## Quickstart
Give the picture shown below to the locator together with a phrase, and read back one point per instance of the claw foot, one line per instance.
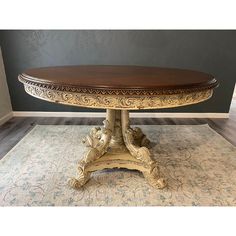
(80, 180)
(154, 179)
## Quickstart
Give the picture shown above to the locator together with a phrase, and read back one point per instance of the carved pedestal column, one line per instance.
(117, 145)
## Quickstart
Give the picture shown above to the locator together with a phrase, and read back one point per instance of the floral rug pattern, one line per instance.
(199, 164)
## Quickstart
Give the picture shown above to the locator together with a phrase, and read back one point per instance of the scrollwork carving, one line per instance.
(139, 152)
(97, 141)
(80, 180)
(129, 102)
(154, 179)
(131, 137)
(128, 146)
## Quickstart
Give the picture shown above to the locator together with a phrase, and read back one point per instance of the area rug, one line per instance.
(199, 164)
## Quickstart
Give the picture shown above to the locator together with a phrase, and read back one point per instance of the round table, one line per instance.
(118, 89)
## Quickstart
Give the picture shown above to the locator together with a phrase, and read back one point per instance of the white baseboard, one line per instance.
(132, 114)
(5, 118)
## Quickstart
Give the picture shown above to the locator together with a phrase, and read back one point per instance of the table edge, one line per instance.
(103, 100)
(23, 78)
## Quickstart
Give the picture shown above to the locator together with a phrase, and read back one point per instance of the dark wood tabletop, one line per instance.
(121, 77)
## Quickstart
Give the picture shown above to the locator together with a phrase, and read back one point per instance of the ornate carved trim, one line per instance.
(139, 152)
(128, 102)
(107, 91)
(135, 156)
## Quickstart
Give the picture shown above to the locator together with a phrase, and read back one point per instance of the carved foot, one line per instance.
(154, 179)
(97, 141)
(132, 153)
(82, 178)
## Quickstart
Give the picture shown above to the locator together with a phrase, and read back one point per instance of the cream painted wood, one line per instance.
(117, 145)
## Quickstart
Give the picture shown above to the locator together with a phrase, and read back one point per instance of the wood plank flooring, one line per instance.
(16, 128)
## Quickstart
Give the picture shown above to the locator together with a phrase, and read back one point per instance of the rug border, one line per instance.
(20, 141)
(222, 137)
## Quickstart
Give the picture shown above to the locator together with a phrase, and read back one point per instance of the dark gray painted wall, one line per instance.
(213, 52)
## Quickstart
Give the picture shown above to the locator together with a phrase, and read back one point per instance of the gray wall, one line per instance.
(5, 102)
(208, 51)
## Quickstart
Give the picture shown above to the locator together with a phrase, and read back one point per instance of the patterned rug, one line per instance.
(200, 166)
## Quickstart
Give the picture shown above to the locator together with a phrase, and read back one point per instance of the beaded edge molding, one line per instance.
(111, 101)
(107, 91)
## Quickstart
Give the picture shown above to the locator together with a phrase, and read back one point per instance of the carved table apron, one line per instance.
(116, 144)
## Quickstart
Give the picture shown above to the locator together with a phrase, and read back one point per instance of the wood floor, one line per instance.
(15, 129)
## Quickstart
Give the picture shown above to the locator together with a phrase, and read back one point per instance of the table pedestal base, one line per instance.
(117, 145)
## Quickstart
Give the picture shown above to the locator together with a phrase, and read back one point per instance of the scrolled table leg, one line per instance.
(136, 142)
(131, 136)
(97, 141)
(117, 145)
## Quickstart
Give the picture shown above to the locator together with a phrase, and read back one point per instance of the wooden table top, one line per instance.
(121, 78)
(118, 87)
